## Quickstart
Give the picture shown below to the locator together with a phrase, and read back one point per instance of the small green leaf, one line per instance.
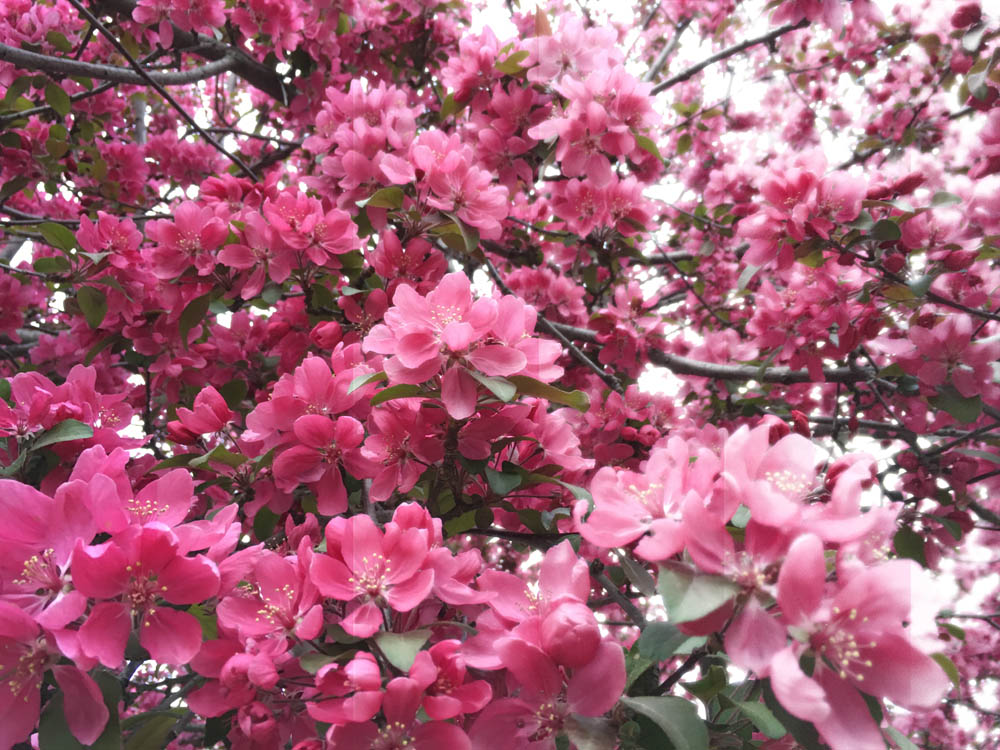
(648, 145)
(153, 731)
(762, 718)
(511, 65)
(684, 144)
(898, 292)
(501, 483)
(677, 718)
(58, 99)
(965, 409)
(401, 648)
(886, 230)
(900, 740)
(638, 575)
(403, 390)
(710, 685)
(313, 661)
(689, 596)
(470, 235)
(660, 640)
(343, 24)
(502, 388)
(945, 662)
(59, 41)
(531, 387)
(94, 304)
(234, 391)
(909, 544)
(943, 198)
(387, 197)
(68, 429)
(362, 380)
(58, 236)
(52, 264)
(264, 522)
(208, 621)
(192, 315)
(220, 455)
(746, 275)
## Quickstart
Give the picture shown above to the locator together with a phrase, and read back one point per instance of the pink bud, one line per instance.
(570, 634)
(967, 15)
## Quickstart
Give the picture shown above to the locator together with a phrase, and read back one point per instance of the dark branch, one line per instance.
(728, 52)
(66, 66)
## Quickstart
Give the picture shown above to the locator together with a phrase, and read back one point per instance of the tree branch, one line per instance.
(241, 64)
(145, 75)
(66, 66)
(728, 52)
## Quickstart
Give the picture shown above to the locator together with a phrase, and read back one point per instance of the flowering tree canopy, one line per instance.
(627, 379)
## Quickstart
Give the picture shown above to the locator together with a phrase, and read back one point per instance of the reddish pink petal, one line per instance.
(800, 695)
(364, 621)
(332, 578)
(104, 634)
(99, 571)
(903, 674)
(435, 735)
(495, 359)
(170, 636)
(189, 580)
(459, 392)
(597, 686)
(800, 582)
(532, 667)
(849, 725)
(406, 595)
(83, 704)
(414, 349)
(754, 638)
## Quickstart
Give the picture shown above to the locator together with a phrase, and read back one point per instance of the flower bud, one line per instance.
(570, 634)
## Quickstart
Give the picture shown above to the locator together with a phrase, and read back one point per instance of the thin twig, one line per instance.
(223, 64)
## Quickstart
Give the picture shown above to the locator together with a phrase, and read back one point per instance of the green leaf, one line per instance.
(362, 380)
(943, 198)
(234, 392)
(898, 292)
(208, 621)
(58, 236)
(501, 483)
(945, 662)
(94, 305)
(591, 732)
(886, 230)
(762, 718)
(660, 640)
(5, 389)
(908, 543)
(401, 648)
(803, 731)
(387, 197)
(52, 264)
(470, 235)
(638, 575)
(900, 740)
(746, 275)
(153, 731)
(531, 387)
(677, 718)
(403, 390)
(343, 24)
(68, 429)
(192, 315)
(511, 65)
(710, 685)
(684, 144)
(182, 459)
(264, 522)
(648, 145)
(313, 661)
(689, 596)
(220, 455)
(58, 99)
(963, 408)
(54, 734)
(502, 388)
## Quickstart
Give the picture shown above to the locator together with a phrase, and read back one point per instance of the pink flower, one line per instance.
(401, 729)
(440, 673)
(128, 576)
(25, 655)
(369, 569)
(348, 693)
